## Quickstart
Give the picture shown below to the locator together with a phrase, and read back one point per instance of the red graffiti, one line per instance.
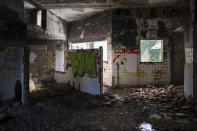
(117, 57)
(11, 58)
(67, 59)
(98, 60)
(124, 51)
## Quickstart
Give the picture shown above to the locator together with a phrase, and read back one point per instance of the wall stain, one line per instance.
(157, 75)
(137, 74)
(124, 32)
(7, 76)
(162, 30)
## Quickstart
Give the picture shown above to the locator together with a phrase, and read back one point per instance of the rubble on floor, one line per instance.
(132, 109)
(6, 107)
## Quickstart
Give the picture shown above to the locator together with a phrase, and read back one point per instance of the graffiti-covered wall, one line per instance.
(86, 68)
(83, 62)
(83, 71)
(129, 26)
(95, 28)
(11, 70)
(129, 71)
(12, 35)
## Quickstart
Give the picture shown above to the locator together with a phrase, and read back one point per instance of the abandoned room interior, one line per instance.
(98, 65)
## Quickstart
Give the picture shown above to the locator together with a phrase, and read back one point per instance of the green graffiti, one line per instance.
(9, 67)
(11, 51)
(83, 62)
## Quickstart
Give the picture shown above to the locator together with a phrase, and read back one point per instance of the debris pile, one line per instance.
(159, 102)
(161, 94)
(6, 108)
(142, 108)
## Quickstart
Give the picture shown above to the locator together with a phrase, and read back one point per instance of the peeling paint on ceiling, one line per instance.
(75, 14)
(72, 10)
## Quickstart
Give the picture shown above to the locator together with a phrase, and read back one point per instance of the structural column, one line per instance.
(190, 74)
(194, 20)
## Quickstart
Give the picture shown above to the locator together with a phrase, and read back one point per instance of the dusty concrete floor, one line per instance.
(58, 108)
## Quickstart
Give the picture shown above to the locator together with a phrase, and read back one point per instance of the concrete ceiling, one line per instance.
(71, 10)
(70, 14)
(28, 6)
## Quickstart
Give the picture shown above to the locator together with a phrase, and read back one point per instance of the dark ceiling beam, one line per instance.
(74, 4)
(36, 4)
(99, 6)
(55, 6)
(51, 4)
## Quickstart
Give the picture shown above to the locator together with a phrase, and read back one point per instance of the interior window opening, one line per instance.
(151, 50)
(39, 18)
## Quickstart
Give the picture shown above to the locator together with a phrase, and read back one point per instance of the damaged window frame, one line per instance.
(162, 52)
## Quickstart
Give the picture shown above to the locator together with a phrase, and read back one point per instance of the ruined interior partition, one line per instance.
(11, 73)
(86, 68)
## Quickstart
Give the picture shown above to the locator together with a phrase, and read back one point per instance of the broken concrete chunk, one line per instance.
(155, 116)
(179, 114)
(185, 107)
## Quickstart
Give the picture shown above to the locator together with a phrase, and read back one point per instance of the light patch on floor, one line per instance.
(146, 127)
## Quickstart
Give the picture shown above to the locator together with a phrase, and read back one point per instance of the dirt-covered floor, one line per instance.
(58, 108)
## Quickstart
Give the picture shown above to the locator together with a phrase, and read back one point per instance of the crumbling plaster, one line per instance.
(148, 23)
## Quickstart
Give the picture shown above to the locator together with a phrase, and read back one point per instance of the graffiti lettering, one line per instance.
(83, 62)
(9, 68)
(157, 75)
(137, 74)
(67, 59)
(7, 76)
(188, 65)
(98, 60)
(11, 55)
(11, 51)
(124, 51)
(125, 59)
(11, 58)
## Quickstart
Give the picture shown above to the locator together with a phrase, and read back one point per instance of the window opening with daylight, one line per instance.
(91, 45)
(151, 50)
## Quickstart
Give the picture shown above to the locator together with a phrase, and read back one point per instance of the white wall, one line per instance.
(189, 56)
(107, 66)
(56, 27)
(89, 85)
(59, 52)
